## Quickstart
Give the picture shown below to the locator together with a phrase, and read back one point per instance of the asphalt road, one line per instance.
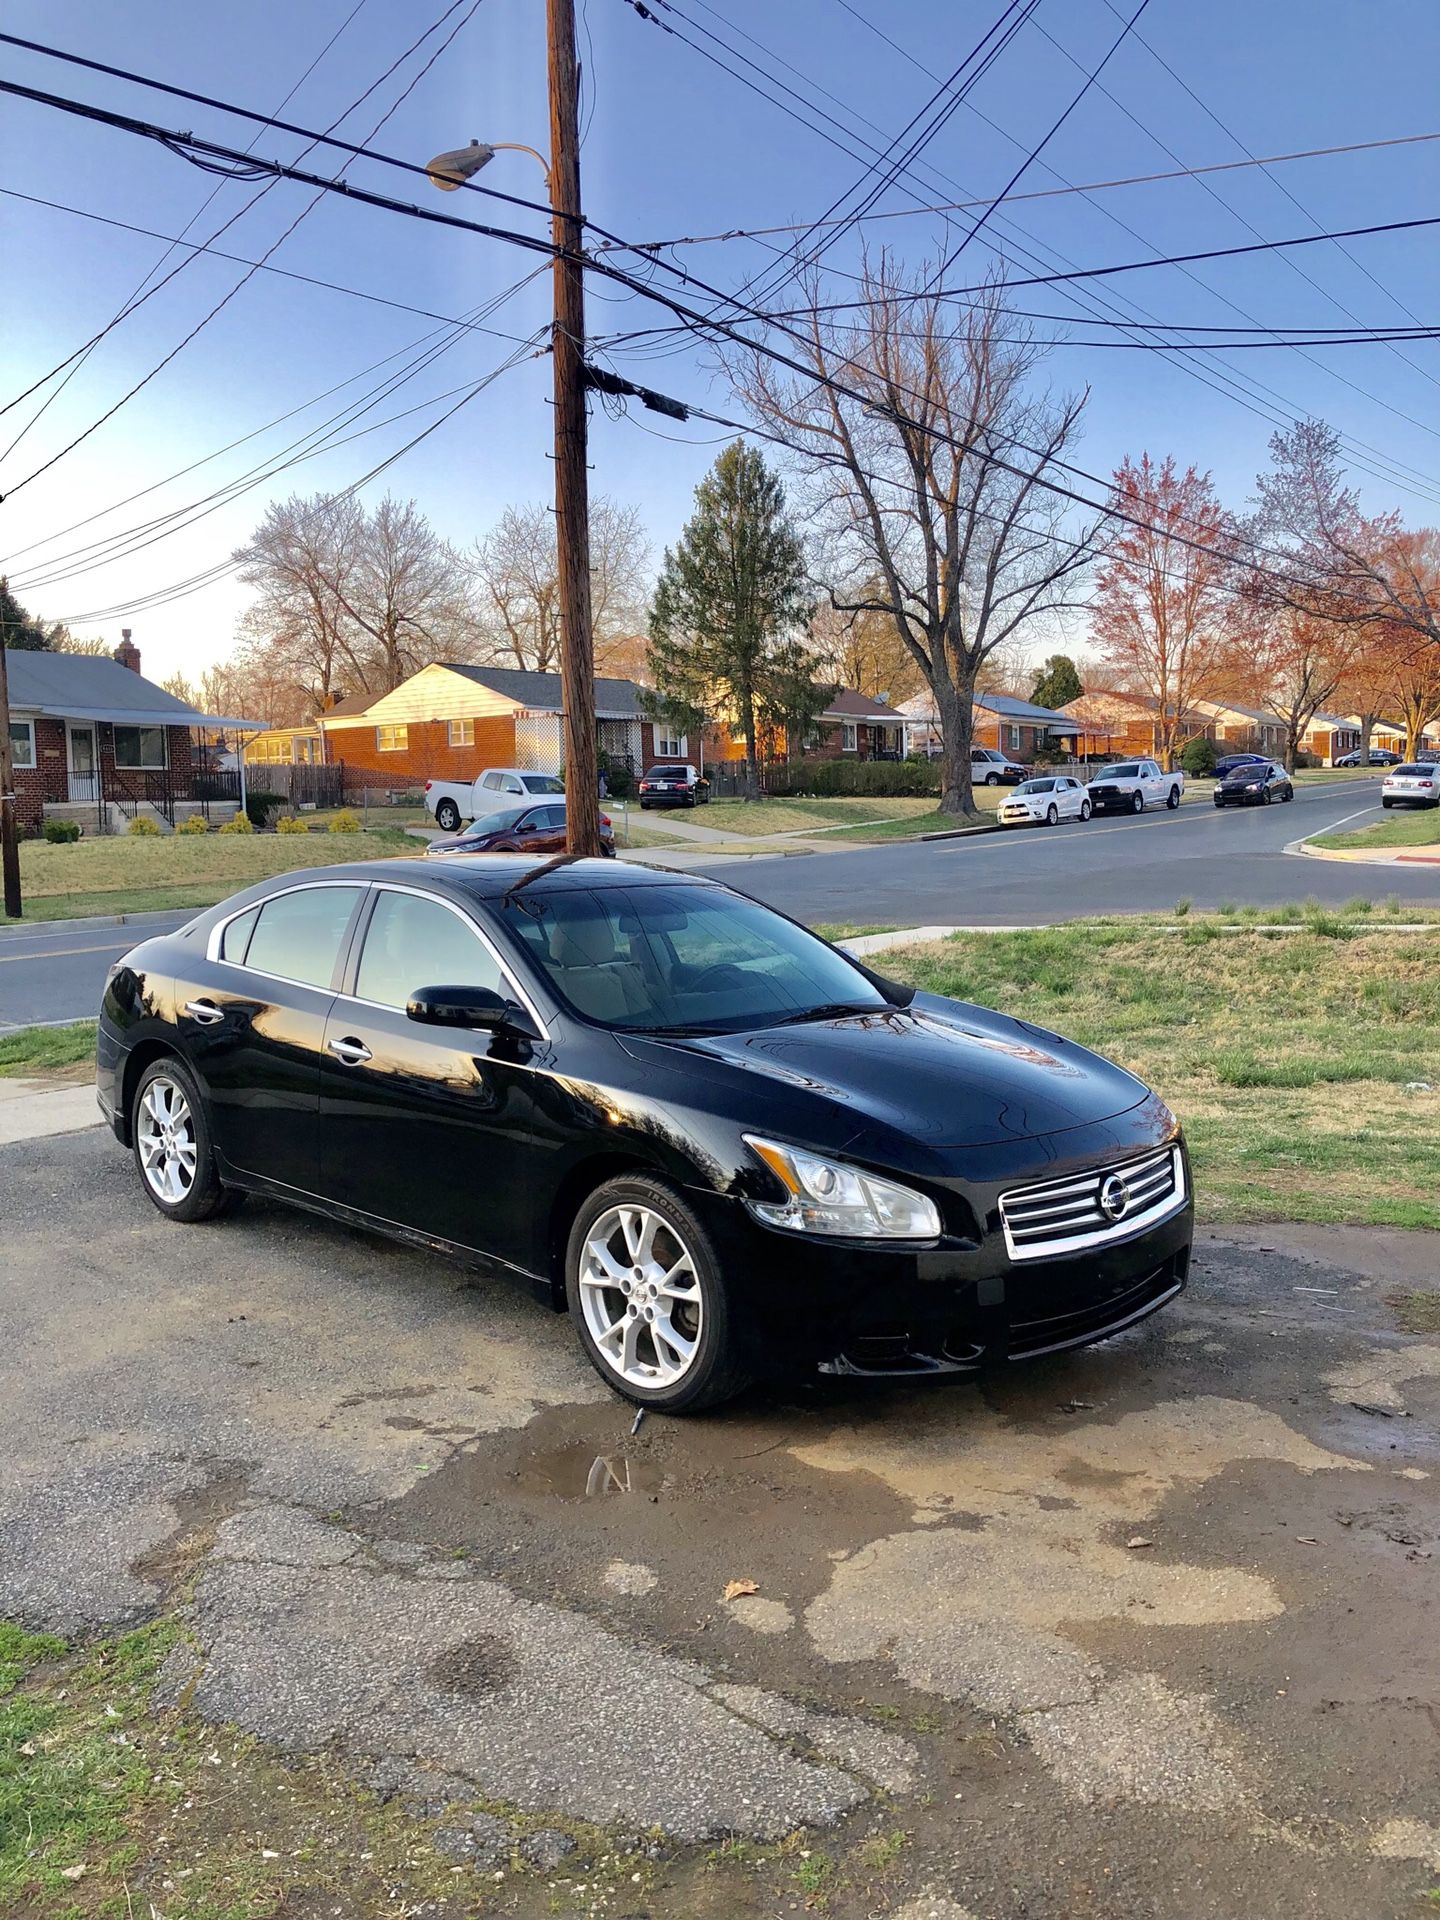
(1027, 877)
(1036, 875)
(1133, 1634)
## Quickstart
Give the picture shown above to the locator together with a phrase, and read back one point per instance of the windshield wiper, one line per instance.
(831, 1010)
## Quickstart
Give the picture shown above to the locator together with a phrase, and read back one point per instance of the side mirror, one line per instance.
(477, 1009)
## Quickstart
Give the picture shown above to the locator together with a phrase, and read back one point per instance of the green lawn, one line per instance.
(749, 817)
(1410, 827)
(930, 821)
(1290, 1057)
(41, 1051)
(118, 874)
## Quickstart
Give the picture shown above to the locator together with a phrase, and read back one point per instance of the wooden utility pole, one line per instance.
(9, 829)
(572, 502)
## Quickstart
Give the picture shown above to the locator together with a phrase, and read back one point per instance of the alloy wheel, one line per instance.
(640, 1295)
(165, 1131)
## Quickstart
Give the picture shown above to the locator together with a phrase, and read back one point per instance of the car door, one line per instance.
(1069, 792)
(542, 830)
(251, 1008)
(433, 1129)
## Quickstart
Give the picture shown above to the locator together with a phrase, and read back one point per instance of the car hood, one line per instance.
(943, 1073)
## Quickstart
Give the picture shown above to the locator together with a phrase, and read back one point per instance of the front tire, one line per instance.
(447, 816)
(1052, 815)
(1137, 802)
(649, 1299)
(174, 1153)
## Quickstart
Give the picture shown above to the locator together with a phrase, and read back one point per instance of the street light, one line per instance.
(567, 354)
(450, 170)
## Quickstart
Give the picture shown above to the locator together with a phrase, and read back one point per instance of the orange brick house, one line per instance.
(449, 721)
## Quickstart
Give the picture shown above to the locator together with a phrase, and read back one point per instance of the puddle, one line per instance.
(579, 1473)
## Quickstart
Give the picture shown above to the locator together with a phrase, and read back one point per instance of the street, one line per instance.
(1184, 1662)
(1021, 878)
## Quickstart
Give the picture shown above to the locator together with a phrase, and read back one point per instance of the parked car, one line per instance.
(519, 829)
(1379, 757)
(452, 801)
(673, 785)
(1254, 786)
(726, 1146)
(1045, 801)
(1415, 783)
(1132, 785)
(1233, 760)
(989, 768)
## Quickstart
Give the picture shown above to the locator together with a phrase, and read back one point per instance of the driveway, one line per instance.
(1148, 1631)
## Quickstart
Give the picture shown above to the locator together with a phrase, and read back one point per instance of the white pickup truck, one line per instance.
(1132, 785)
(451, 801)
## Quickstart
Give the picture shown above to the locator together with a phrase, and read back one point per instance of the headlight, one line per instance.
(827, 1196)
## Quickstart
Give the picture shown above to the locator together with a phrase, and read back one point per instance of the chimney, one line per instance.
(127, 653)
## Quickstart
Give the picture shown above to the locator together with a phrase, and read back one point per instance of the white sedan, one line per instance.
(1417, 783)
(1045, 802)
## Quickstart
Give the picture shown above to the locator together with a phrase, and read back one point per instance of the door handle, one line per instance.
(352, 1053)
(205, 1011)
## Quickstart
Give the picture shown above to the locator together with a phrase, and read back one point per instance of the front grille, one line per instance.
(1057, 1217)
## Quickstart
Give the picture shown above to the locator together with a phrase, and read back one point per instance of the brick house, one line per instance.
(1018, 728)
(1329, 736)
(1242, 729)
(852, 727)
(94, 741)
(450, 721)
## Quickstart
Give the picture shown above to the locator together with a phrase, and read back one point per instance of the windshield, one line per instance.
(681, 958)
(1129, 771)
(495, 822)
(1036, 786)
(542, 783)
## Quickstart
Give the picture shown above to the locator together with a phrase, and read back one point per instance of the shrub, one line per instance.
(141, 825)
(242, 823)
(1198, 757)
(197, 823)
(345, 822)
(260, 806)
(62, 833)
(291, 823)
(891, 778)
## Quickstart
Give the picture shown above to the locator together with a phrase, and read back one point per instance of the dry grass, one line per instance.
(115, 874)
(1305, 1065)
(749, 817)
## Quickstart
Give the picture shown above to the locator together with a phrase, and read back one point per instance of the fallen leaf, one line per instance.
(29, 1749)
(1139, 1540)
(739, 1589)
(73, 1873)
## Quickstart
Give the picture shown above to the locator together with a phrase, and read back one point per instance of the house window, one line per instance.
(22, 743)
(671, 746)
(461, 733)
(392, 739)
(849, 737)
(1012, 739)
(139, 747)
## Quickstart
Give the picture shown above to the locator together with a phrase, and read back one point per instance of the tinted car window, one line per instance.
(667, 773)
(413, 943)
(661, 957)
(1037, 786)
(1424, 772)
(236, 936)
(542, 783)
(498, 822)
(298, 935)
(546, 819)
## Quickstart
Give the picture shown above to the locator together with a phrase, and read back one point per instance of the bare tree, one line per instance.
(515, 573)
(865, 651)
(927, 447)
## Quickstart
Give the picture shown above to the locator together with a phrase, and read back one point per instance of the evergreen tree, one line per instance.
(726, 627)
(1057, 683)
(22, 633)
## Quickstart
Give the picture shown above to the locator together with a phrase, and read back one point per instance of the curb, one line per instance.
(91, 921)
(1358, 857)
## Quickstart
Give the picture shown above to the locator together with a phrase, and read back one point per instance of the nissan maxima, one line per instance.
(723, 1145)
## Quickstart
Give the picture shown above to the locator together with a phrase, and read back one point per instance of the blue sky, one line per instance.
(674, 147)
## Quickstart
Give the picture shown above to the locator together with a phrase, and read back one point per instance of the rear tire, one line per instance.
(1387, 804)
(174, 1151)
(676, 1350)
(992, 779)
(1172, 799)
(1084, 811)
(447, 816)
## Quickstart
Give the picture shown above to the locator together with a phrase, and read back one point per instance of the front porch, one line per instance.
(104, 774)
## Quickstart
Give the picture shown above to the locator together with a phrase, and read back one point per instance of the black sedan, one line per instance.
(723, 1144)
(1254, 786)
(534, 827)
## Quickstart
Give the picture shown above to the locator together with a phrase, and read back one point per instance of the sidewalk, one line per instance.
(34, 1110)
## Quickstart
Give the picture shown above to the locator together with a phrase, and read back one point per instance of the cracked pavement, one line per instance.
(1144, 1631)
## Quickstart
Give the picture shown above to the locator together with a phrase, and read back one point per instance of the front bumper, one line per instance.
(889, 1312)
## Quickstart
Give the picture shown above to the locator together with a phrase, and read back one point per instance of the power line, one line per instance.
(78, 362)
(325, 139)
(304, 214)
